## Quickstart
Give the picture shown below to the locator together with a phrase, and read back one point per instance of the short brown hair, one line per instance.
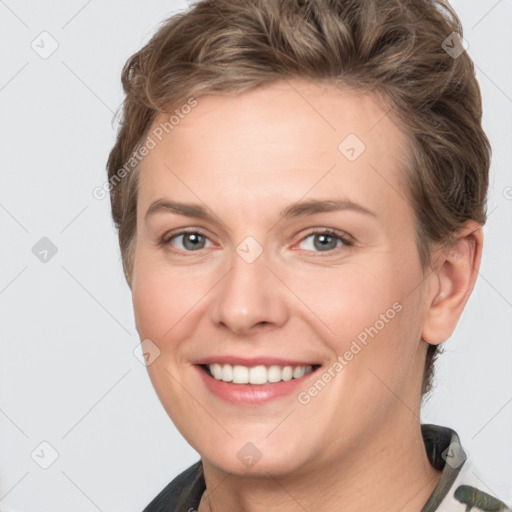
(398, 49)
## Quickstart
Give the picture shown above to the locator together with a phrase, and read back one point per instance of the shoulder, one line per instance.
(460, 489)
(469, 492)
(182, 493)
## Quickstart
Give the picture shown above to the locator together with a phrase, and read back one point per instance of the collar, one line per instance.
(459, 488)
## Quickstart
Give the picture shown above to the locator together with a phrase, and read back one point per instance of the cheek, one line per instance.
(162, 301)
(366, 314)
(164, 313)
(348, 299)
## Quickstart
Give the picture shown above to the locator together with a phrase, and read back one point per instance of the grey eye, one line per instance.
(192, 241)
(321, 242)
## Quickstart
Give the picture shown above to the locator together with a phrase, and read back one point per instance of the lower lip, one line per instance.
(251, 393)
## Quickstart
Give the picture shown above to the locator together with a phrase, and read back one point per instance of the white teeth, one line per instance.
(240, 375)
(216, 370)
(227, 373)
(274, 374)
(287, 373)
(298, 372)
(257, 374)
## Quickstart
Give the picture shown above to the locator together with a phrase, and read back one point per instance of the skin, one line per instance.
(358, 442)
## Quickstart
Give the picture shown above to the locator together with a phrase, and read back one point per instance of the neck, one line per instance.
(390, 469)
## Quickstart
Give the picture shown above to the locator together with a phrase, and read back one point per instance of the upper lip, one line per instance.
(253, 361)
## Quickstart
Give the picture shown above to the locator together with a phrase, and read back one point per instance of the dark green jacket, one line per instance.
(458, 490)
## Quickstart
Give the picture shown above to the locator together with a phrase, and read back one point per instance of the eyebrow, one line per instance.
(300, 209)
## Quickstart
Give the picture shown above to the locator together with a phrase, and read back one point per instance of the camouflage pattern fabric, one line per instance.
(459, 489)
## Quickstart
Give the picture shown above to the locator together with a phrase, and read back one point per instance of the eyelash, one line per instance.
(346, 240)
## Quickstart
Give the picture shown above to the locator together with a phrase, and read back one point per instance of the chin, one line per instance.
(256, 459)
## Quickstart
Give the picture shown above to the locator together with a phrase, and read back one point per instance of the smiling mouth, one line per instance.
(256, 375)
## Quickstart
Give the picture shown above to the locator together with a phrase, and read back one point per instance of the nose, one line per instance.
(249, 297)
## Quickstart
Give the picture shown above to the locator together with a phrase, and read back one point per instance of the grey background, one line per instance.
(68, 375)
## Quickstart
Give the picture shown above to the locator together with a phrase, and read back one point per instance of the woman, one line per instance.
(299, 189)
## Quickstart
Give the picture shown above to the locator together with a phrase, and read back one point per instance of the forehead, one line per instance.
(285, 138)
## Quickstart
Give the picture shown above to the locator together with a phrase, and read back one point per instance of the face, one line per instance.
(274, 231)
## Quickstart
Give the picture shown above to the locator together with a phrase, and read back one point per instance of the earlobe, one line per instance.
(453, 280)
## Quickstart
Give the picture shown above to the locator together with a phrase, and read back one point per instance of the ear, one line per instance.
(452, 279)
